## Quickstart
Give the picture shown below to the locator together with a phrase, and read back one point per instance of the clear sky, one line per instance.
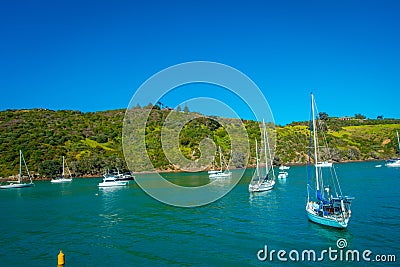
(93, 55)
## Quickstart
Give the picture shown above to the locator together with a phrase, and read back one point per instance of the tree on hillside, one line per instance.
(186, 109)
(148, 106)
(359, 116)
(323, 116)
(50, 168)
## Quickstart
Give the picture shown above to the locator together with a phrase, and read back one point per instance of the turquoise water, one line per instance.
(126, 227)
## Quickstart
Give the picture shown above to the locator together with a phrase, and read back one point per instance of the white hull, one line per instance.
(220, 175)
(17, 185)
(393, 163)
(61, 180)
(284, 168)
(324, 164)
(264, 186)
(333, 221)
(282, 175)
(112, 182)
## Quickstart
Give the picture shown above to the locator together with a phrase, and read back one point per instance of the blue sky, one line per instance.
(93, 55)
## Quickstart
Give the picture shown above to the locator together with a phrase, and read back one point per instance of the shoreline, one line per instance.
(100, 176)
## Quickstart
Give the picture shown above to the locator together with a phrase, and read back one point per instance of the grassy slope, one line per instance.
(91, 142)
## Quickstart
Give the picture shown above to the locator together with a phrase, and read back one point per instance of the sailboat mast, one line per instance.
(220, 157)
(315, 141)
(20, 166)
(63, 171)
(265, 151)
(258, 170)
(270, 156)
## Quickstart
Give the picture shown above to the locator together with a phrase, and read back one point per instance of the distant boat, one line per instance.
(259, 183)
(111, 181)
(220, 173)
(127, 176)
(395, 162)
(19, 184)
(283, 167)
(328, 208)
(282, 174)
(62, 179)
(324, 164)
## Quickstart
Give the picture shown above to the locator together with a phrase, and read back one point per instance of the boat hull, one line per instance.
(113, 184)
(264, 186)
(324, 164)
(282, 175)
(327, 221)
(9, 186)
(393, 163)
(58, 181)
(220, 175)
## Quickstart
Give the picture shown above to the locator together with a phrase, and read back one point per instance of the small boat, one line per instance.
(283, 175)
(19, 184)
(324, 164)
(395, 162)
(62, 179)
(330, 207)
(112, 182)
(220, 173)
(283, 167)
(378, 166)
(259, 183)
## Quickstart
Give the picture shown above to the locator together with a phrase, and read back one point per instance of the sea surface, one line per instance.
(126, 227)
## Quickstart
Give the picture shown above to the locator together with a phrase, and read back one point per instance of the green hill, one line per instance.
(92, 142)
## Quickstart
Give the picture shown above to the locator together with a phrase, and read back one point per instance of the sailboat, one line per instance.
(328, 208)
(396, 161)
(259, 183)
(220, 173)
(19, 184)
(62, 179)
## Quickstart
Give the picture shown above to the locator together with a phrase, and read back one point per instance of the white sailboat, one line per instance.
(220, 173)
(259, 183)
(328, 208)
(396, 161)
(19, 184)
(62, 179)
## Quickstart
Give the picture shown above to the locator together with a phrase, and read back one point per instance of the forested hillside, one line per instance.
(92, 142)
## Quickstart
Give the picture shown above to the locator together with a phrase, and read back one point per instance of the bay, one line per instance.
(126, 227)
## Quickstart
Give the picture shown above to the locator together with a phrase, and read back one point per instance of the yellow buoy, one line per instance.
(61, 258)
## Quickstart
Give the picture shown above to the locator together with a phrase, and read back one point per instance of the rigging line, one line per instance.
(320, 122)
(337, 180)
(332, 170)
(29, 175)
